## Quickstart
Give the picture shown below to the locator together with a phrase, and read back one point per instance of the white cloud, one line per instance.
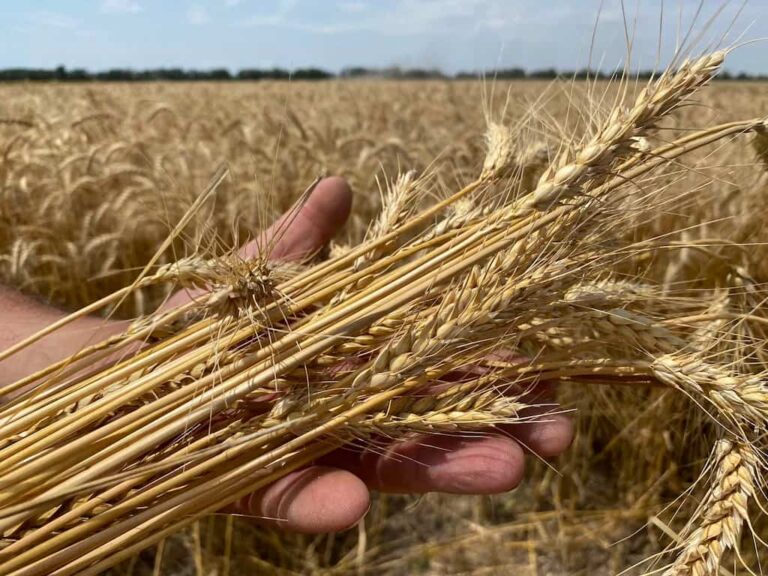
(53, 20)
(262, 21)
(352, 6)
(405, 17)
(121, 7)
(197, 15)
(279, 17)
(452, 16)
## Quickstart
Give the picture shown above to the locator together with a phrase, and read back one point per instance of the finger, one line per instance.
(548, 436)
(457, 465)
(313, 500)
(297, 234)
(302, 231)
(544, 433)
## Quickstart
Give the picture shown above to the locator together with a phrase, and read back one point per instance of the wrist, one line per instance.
(22, 316)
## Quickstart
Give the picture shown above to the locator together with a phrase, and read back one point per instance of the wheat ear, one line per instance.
(723, 511)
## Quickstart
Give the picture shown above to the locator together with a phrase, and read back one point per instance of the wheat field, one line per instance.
(659, 292)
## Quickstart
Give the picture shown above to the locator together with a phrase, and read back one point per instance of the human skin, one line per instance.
(334, 493)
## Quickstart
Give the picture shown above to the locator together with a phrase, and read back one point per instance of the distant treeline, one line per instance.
(62, 74)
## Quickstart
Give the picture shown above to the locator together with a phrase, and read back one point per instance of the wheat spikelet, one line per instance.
(760, 144)
(723, 512)
(563, 178)
(459, 418)
(739, 398)
(500, 152)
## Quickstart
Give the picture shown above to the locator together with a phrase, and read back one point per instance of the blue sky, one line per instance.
(448, 34)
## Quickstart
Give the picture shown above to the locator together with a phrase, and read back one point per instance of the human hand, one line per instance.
(333, 494)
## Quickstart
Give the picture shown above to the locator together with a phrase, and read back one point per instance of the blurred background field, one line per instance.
(94, 174)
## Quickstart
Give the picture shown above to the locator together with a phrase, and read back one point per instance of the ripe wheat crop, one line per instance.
(611, 235)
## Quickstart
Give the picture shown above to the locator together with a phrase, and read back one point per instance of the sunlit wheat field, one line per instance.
(643, 304)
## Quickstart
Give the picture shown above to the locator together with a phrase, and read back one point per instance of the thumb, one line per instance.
(306, 228)
(298, 233)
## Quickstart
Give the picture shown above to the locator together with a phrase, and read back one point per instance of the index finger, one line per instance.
(302, 231)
